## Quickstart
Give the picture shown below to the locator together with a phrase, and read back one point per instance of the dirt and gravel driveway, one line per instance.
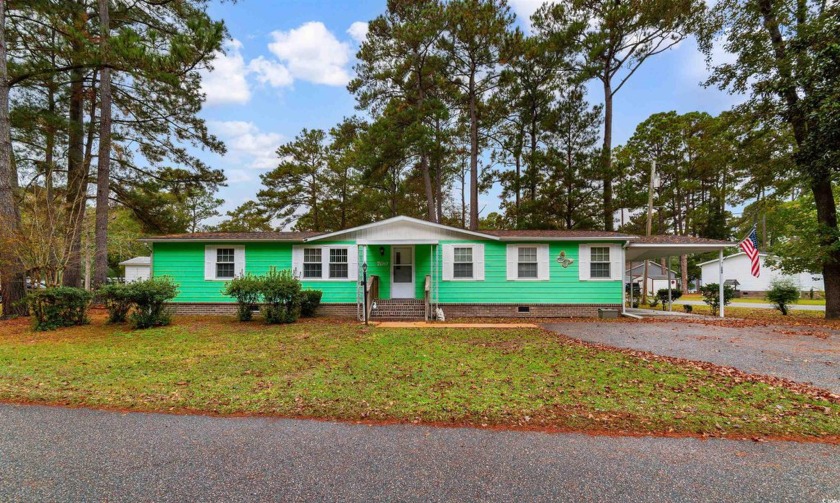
(55, 454)
(803, 354)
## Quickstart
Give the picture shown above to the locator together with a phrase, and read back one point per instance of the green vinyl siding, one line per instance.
(379, 264)
(184, 263)
(563, 287)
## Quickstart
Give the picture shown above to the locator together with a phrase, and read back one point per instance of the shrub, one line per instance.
(118, 301)
(783, 292)
(149, 299)
(711, 296)
(247, 291)
(309, 302)
(662, 295)
(688, 308)
(281, 297)
(52, 308)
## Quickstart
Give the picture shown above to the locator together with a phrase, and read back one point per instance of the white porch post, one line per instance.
(720, 281)
(670, 300)
(623, 280)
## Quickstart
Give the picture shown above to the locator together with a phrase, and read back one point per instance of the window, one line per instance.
(338, 263)
(527, 266)
(599, 265)
(312, 267)
(225, 268)
(463, 263)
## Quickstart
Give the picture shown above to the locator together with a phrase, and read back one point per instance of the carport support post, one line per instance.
(670, 304)
(720, 283)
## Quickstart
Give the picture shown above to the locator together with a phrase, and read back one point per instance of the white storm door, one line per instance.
(402, 272)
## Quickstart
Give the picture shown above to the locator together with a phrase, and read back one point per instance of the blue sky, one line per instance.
(288, 62)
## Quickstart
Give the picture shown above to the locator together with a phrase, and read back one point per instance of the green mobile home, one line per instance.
(415, 268)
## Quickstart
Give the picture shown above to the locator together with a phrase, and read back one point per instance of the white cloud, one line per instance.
(247, 144)
(271, 72)
(358, 31)
(694, 64)
(226, 83)
(312, 53)
(524, 8)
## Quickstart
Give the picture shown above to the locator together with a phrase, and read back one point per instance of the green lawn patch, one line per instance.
(494, 377)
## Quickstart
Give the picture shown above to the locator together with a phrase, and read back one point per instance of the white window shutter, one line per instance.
(512, 261)
(239, 261)
(616, 262)
(353, 262)
(297, 261)
(448, 261)
(209, 262)
(478, 262)
(584, 258)
(543, 272)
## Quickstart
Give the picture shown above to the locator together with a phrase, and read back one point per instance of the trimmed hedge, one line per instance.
(310, 300)
(117, 300)
(53, 308)
(662, 294)
(281, 294)
(145, 300)
(711, 296)
(247, 291)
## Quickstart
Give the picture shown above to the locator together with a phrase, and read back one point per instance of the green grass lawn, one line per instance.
(757, 300)
(502, 377)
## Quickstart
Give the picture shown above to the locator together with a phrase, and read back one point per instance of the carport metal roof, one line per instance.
(653, 247)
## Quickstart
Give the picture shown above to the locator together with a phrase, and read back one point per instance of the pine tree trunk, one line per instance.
(103, 171)
(76, 181)
(12, 273)
(607, 157)
(473, 154)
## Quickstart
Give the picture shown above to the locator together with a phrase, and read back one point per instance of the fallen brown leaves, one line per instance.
(732, 373)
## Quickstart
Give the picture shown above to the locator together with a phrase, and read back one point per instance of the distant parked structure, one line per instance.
(137, 268)
(736, 270)
(657, 276)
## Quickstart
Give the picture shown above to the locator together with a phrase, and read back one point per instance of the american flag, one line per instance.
(750, 247)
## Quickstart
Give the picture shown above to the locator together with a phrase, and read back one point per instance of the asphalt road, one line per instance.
(802, 354)
(55, 454)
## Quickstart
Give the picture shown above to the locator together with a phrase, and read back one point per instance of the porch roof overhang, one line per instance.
(641, 250)
(406, 242)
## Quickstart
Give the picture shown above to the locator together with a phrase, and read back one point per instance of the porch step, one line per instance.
(404, 309)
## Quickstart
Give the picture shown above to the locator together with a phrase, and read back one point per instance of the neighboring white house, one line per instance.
(137, 268)
(737, 267)
(657, 276)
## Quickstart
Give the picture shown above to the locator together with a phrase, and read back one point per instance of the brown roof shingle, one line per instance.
(236, 236)
(557, 234)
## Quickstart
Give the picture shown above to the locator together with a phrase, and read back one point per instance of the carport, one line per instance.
(655, 247)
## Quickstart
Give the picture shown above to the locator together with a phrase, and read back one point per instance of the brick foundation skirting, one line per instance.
(229, 309)
(450, 310)
(534, 310)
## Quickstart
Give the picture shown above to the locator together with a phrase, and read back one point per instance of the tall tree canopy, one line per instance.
(787, 62)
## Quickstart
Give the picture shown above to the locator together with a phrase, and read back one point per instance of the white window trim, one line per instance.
(585, 261)
(543, 262)
(448, 259)
(210, 257)
(352, 262)
(472, 262)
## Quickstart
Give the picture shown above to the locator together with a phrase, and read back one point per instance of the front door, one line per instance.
(402, 272)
